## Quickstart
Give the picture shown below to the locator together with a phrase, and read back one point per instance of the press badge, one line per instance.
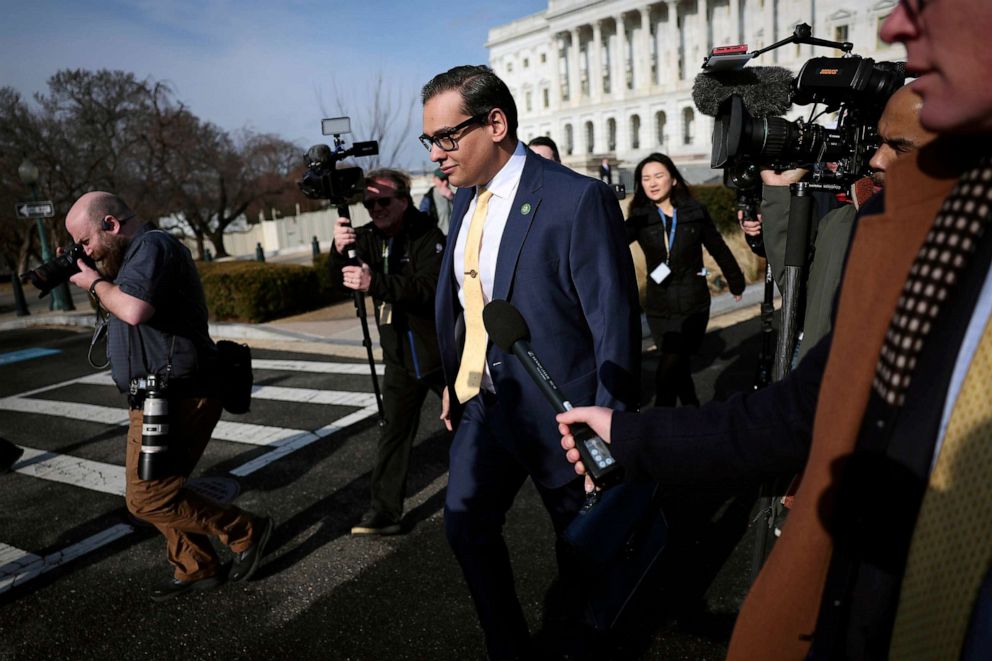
(385, 314)
(660, 273)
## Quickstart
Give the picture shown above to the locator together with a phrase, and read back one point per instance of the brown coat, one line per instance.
(780, 612)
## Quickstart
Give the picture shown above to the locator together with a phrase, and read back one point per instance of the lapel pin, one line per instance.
(525, 208)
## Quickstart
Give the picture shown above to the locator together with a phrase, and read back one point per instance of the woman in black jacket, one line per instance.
(672, 228)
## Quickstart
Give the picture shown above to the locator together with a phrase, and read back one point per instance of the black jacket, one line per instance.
(409, 286)
(684, 291)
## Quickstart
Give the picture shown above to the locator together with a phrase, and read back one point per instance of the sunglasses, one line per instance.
(381, 202)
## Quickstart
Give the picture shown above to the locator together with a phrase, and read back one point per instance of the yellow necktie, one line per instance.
(469, 378)
(951, 551)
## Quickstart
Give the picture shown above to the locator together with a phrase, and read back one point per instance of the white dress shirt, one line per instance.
(504, 188)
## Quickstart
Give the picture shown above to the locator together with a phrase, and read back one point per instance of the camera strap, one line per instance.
(99, 333)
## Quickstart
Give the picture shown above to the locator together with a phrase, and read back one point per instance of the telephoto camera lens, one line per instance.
(154, 461)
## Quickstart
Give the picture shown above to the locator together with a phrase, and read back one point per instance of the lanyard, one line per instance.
(669, 236)
(387, 247)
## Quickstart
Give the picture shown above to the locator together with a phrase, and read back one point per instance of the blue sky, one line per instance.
(268, 66)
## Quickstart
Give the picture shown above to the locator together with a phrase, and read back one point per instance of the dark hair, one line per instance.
(400, 180)
(680, 187)
(545, 141)
(481, 91)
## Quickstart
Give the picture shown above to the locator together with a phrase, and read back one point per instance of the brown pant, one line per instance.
(184, 517)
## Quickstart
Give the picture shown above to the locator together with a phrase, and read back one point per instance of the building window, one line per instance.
(526, 62)
(509, 67)
(545, 97)
(569, 140)
(840, 33)
(590, 138)
(528, 102)
(611, 134)
(660, 120)
(635, 131)
(688, 126)
(544, 58)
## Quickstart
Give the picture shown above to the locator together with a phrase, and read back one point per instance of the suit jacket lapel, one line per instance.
(523, 211)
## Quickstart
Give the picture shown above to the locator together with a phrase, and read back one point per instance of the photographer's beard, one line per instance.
(109, 264)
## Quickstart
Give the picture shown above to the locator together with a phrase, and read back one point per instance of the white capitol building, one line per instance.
(613, 78)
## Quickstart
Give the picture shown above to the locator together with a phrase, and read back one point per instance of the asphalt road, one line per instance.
(75, 569)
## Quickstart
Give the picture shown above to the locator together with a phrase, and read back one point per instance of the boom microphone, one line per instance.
(766, 91)
(508, 330)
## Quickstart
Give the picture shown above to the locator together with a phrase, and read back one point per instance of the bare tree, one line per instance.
(215, 178)
(108, 130)
(384, 113)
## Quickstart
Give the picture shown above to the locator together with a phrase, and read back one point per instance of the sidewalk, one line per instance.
(333, 330)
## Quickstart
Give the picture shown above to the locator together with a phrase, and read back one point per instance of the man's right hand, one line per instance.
(750, 227)
(446, 409)
(344, 235)
(771, 177)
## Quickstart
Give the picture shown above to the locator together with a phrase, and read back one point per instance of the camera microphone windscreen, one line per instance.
(505, 325)
(765, 91)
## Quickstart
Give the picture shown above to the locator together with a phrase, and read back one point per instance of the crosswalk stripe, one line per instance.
(312, 396)
(292, 445)
(279, 393)
(243, 432)
(89, 412)
(27, 566)
(67, 469)
(237, 432)
(316, 366)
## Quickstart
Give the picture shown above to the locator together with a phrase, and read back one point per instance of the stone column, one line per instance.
(672, 43)
(736, 37)
(558, 56)
(642, 64)
(595, 62)
(619, 83)
(694, 64)
(574, 81)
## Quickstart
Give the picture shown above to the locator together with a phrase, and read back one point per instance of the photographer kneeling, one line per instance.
(148, 283)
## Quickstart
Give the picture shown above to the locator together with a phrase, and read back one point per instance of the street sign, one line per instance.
(30, 210)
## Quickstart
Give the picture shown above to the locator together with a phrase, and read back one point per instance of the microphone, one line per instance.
(508, 330)
(765, 91)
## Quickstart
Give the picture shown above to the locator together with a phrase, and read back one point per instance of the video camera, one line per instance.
(323, 180)
(746, 102)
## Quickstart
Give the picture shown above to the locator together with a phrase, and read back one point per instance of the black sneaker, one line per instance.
(377, 523)
(175, 587)
(246, 562)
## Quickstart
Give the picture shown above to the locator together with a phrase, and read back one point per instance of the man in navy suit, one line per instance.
(551, 242)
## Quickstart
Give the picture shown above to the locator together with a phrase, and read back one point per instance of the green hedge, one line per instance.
(257, 291)
(722, 205)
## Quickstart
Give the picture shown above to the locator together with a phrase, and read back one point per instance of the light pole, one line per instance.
(28, 172)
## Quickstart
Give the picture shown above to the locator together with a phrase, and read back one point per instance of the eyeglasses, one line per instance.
(446, 140)
(381, 202)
